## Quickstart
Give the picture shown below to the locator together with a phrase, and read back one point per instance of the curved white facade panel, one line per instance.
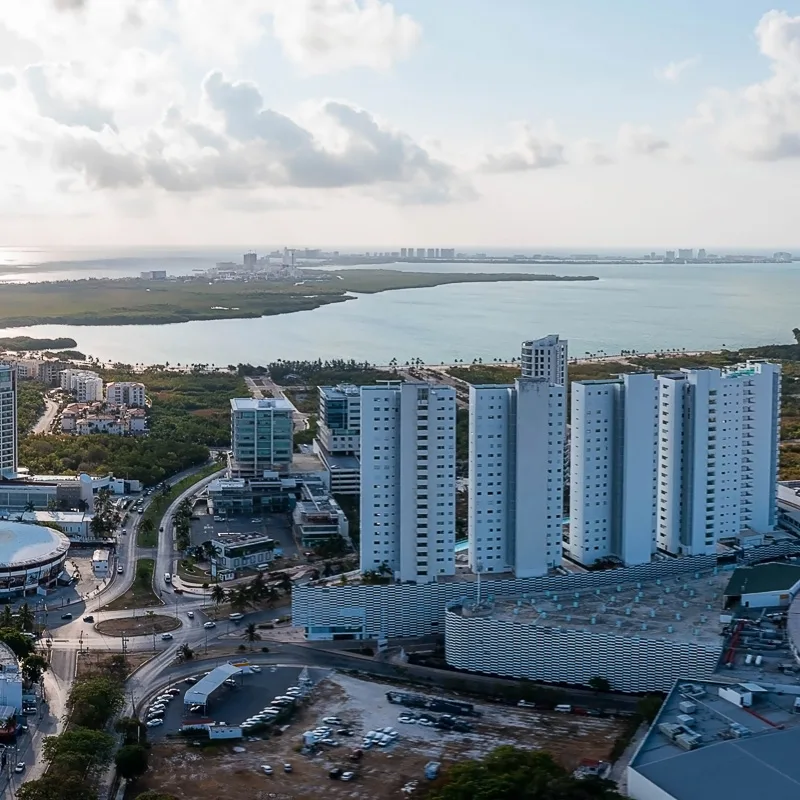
(30, 555)
(630, 664)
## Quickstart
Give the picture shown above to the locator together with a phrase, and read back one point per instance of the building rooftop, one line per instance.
(264, 403)
(721, 749)
(771, 577)
(22, 544)
(8, 661)
(685, 608)
(231, 539)
(55, 516)
(789, 493)
(342, 390)
(336, 462)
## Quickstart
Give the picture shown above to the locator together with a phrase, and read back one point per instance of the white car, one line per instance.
(331, 720)
(190, 614)
(120, 570)
(210, 624)
(347, 776)
(167, 636)
(154, 723)
(266, 769)
(20, 766)
(253, 667)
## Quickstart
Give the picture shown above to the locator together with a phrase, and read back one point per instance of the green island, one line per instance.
(133, 301)
(24, 344)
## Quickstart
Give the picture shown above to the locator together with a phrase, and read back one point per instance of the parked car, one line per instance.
(88, 618)
(254, 667)
(210, 624)
(287, 767)
(167, 636)
(347, 776)
(154, 723)
(230, 682)
(196, 709)
(66, 616)
(190, 679)
(19, 766)
(266, 769)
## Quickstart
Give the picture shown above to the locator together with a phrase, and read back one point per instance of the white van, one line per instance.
(563, 708)
(235, 617)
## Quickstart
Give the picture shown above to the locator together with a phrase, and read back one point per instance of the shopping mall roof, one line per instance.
(22, 543)
(738, 753)
(774, 576)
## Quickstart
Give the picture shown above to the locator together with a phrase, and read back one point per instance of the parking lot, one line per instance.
(327, 739)
(278, 526)
(231, 704)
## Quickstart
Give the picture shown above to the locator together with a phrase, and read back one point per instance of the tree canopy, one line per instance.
(510, 773)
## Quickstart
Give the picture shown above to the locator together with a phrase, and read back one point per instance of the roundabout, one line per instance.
(144, 625)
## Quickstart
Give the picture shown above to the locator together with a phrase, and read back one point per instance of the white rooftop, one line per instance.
(262, 404)
(22, 543)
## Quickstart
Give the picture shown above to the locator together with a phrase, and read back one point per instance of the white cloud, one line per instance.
(673, 71)
(590, 152)
(253, 146)
(762, 121)
(328, 35)
(640, 140)
(531, 149)
(7, 81)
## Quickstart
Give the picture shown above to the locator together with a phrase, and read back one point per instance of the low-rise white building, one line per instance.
(100, 563)
(85, 386)
(10, 679)
(240, 550)
(75, 524)
(125, 393)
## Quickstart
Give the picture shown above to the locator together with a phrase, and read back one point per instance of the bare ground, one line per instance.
(195, 774)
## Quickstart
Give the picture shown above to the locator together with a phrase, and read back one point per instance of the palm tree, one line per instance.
(238, 599)
(256, 586)
(26, 617)
(251, 634)
(218, 595)
(7, 620)
(147, 526)
(285, 583)
(30, 507)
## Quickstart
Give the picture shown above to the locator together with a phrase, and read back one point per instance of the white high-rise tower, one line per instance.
(516, 482)
(8, 421)
(545, 358)
(408, 458)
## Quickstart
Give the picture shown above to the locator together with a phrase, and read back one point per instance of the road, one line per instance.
(45, 422)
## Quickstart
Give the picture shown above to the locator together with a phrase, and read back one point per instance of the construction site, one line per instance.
(381, 771)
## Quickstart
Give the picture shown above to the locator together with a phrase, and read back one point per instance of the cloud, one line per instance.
(675, 69)
(260, 147)
(7, 81)
(640, 140)
(329, 35)
(43, 82)
(531, 150)
(70, 5)
(590, 152)
(761, 122)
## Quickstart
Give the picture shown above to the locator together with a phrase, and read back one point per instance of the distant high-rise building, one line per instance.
(448, 252)
(408, 457)
(288, 257)
(125, 393)
(403, 252)
(85, 386)
(250, 260)
(613, 446)
(718, 455)
(686, 253)
(545, 358)
(516, 482)
(701, 253)
(783, 257)
(431, 252)
(8, 421)
(670, 256)
(437, 252)
(420, 252)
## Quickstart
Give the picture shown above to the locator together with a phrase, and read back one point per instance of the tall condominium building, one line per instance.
(545, 358)
(85, 386)
(8, 421)
(717, 455)
(125, 393)
(408, 457)
(340, 418)
(261, 436)
(516, 481)
(612, 502)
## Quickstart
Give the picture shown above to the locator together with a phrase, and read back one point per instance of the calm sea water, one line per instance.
(642, 307)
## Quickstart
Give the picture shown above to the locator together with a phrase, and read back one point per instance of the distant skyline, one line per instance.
(521, 124)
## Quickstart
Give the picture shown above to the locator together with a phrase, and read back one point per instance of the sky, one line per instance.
(392, 123)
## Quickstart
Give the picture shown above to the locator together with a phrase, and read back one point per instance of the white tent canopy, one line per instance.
(199, 693)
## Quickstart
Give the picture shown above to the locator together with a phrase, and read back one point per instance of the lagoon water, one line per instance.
(642, 307)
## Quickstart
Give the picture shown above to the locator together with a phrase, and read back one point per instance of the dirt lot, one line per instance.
(92, 664)
(193, 774)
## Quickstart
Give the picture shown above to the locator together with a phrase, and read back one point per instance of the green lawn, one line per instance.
(156, 510)
(141, 594)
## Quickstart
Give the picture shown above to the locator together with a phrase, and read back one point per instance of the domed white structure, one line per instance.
(30, 556)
